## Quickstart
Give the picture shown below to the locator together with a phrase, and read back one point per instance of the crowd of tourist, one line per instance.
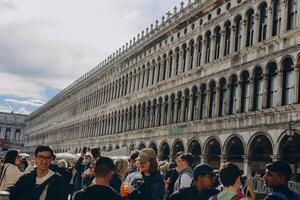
(141, 177)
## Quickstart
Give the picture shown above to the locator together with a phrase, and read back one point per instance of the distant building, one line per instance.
(11, 130)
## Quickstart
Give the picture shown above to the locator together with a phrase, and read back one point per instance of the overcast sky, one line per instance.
(46, 44)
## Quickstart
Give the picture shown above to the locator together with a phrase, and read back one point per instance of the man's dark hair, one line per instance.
(229, 172)
(134, 155)
(179, 153)
(95, 151)
(43, 148)
(104, 165)
(188, 158)
(281, 168)
(11, 156)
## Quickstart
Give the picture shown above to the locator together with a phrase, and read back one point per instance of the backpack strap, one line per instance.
(40, 188)
(279, 195)
(236, 197)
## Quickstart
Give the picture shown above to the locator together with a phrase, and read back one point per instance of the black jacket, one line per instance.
(192, 193)
(97, 192)
(26, 189)
(284, 190)
(116, 183)
(148, 188)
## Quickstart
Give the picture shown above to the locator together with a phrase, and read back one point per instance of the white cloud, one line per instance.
(31, 102)
(48, 44)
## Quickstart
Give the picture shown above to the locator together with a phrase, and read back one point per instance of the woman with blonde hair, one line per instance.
(121, 169)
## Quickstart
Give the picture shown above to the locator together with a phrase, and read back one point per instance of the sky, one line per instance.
(45, 45)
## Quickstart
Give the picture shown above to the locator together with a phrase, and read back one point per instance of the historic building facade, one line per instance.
(218, 79)
(11, 130)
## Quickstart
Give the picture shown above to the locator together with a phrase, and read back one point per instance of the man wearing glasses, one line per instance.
(201, 187)
(41, 183)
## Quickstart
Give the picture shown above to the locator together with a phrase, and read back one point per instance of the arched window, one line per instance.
(238, 33)
(153, 72)
(191, 49)
(233, 95)
(272, 85)
(164, 67)
(194, 102)
(263, 10)
(258, 89)
(245, 92)
(159, 110)
(153, 114)
(172, 109)
(208, 44)
(166, 110)
(227, 37)
(250, 27)
(217, 42)
(177, 53)
(184, 51)
(223, 97)
(288, 84)
(199, 53)
(179, 107)
(292, 14)
(170, 64)
(212, 102)
(203, 101)
(158, 69)
(276, 17)
(186, 106)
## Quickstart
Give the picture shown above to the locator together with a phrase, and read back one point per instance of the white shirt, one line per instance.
(11, 176)
(40, 181)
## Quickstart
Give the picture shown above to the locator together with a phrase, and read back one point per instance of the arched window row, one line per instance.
(261, 88)
(242, 31)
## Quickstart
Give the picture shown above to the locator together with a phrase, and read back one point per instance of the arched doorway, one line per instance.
(260, 153)
(142, 146)
(289, 152)
(194, 148)
(234, 151)
(213, 153)
(177, 147)
(164, 151)
(153, 146)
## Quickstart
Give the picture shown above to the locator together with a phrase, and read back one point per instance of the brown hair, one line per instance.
(153, 166)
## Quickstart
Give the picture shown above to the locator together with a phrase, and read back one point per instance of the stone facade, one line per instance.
(11, 130)
(219, 79)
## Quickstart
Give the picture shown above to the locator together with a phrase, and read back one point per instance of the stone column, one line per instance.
(146, 77)
(222, 44)
(280, 82)
(265, 91)
(232, 39)
(251, 94)
(188, 59)
(256, 28)
(142, 77)
(163, 114)
(212, 48)
(270, 22)
(133, 85)
(244, 35)
(296, 81)
(239, 97)
(284, 14)
(167, 68)
(203, 52)
(174, 64)
(181, 60)
(155, 69)
(169, 111)
(196, 46)
(197, 110)
(245, 167)
(129, 84)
